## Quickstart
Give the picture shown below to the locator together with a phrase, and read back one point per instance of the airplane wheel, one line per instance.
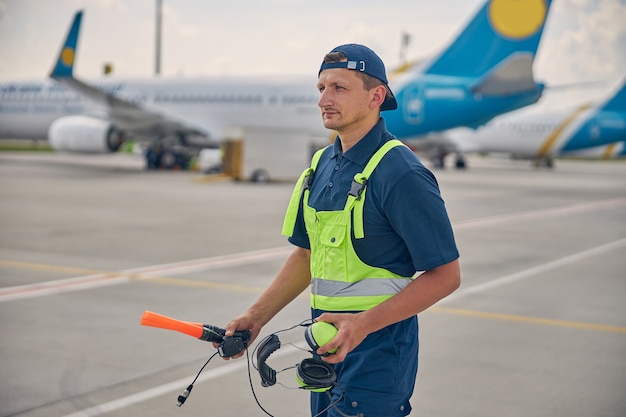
(168, 160)
(460, 163)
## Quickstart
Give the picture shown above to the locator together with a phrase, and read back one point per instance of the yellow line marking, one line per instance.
(201, 284)
(134, 277)
(205, 284)
(258, 290)
(544, 150)
(68, 269)
(53, 268)
(530, 320)
(212, 178)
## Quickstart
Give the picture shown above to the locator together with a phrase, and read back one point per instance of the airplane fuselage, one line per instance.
(434, 103)
(539, 133)
(427, 104)
(28, 108)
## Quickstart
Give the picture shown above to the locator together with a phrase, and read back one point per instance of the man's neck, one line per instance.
(350, 138)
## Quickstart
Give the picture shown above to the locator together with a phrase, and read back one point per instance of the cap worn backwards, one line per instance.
(361, 58)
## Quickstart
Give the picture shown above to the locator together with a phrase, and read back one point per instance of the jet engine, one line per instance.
(84, 134)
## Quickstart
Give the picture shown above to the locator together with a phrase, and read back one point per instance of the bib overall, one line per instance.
(341, 282)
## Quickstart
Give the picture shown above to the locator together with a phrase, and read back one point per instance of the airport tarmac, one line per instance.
(87, 243)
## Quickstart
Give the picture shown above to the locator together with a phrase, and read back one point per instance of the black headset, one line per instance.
(311, 374)
(315, 375)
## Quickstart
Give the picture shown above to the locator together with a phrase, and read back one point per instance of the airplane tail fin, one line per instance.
(617, 102)
(64, 66)
(500, 41)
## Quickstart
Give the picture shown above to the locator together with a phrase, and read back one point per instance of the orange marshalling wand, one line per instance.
(152, 319)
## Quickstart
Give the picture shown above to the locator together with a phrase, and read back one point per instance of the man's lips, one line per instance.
(328, 112)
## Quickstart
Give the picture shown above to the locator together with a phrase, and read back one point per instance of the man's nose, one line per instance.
(325, 99)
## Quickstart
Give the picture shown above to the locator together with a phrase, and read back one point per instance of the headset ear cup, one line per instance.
(308, 336)
(320, 333)
(315, 375)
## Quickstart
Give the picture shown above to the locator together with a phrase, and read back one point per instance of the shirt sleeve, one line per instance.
(418, 214)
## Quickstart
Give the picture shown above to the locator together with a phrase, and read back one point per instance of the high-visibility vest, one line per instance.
(340, 281)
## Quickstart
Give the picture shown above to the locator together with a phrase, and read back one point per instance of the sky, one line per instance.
(584, 40)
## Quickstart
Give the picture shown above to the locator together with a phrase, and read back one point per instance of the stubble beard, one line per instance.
(334, 122)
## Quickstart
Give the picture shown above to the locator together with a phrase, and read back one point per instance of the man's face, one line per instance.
(344, 101)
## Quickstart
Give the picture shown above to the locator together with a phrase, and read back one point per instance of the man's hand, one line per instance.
(241, 323)
(351, 331)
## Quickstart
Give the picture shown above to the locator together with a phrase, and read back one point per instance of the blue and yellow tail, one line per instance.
(500, 29)
(605, 125)
(64, 67)
(618, 101)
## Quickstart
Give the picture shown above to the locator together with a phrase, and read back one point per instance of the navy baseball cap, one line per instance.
(361, 58)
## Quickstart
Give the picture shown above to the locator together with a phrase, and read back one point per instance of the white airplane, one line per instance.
(541, 134)
(461, 86)
(614, 150)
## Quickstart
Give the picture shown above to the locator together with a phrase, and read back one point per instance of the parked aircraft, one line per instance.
(486, 71)
(541, 134)
(611, 151)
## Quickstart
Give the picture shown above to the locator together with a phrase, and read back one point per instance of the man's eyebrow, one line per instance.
(331, 83)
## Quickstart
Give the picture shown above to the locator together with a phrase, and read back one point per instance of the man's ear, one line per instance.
(378, 96)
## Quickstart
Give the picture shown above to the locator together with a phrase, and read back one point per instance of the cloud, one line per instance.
(117, 6)
(590, 44)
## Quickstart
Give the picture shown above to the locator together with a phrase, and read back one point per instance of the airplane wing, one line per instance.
(125, 114)
(512, 76)
(129, 115)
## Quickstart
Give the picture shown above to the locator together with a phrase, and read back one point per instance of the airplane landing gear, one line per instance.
(170, 152)
(459, 162)
(159, 156)
(546, 161)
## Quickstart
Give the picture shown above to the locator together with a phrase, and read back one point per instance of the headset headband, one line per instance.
(265, 349)
(311, 374)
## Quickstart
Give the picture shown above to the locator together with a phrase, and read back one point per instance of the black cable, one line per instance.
(333, 404)
(203, 366)
(252, 387)
(183, 397)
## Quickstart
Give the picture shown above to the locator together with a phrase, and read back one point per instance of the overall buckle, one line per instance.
(357, 188)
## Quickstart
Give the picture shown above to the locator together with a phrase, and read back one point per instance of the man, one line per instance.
(360, 243)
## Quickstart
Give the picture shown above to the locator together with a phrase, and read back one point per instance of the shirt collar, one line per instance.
(365, 148)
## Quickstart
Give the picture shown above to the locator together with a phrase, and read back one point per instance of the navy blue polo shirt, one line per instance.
(406, 225)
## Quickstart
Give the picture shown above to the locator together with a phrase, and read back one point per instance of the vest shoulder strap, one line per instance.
(376, 158)
(316, 157)
(356, 196)
(303, 183)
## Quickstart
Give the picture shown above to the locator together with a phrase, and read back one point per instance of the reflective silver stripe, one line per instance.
(364, 287)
